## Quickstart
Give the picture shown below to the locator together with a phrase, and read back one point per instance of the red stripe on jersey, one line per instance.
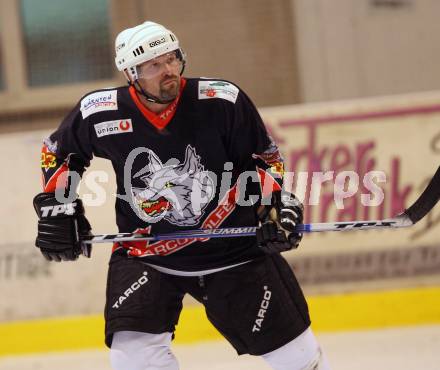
(50, 167)
(58, 178)
(225, 207)
(268, 183)
(165, 247)
(158, 120)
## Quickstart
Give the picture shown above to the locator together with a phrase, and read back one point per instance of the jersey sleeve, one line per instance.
(252, 148)
(66, 150)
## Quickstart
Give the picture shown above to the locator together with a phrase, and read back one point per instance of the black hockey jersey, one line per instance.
(183, 169)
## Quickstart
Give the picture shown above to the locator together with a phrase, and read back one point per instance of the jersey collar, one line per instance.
(158, 120)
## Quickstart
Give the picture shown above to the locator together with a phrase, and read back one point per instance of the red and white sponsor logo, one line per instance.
(218, 89)
(98, 102)
(113, 127)
(210, 92)
(165, 247)
(125, 125)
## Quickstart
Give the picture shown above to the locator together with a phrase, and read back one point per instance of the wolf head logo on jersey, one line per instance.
(176, 192)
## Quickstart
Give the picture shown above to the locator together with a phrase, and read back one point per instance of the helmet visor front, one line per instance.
(169, 62)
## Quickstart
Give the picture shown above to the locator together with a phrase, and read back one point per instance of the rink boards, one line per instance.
(330, 313)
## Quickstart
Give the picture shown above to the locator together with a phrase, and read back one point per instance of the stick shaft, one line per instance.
(426, 201)
(249, 231)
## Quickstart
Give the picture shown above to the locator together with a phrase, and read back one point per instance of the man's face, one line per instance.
(161, 76)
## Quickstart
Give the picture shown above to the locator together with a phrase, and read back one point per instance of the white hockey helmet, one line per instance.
(139, 44)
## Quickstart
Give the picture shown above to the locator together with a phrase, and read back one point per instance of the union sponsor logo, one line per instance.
(113, 127)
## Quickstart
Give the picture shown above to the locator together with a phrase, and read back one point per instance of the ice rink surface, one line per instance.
(409, 348)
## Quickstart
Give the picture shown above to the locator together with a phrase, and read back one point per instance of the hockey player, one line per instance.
(179, 147)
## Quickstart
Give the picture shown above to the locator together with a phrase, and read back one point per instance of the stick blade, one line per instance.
(427, 200)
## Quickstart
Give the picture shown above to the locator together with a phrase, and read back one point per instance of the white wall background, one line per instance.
(350, 49)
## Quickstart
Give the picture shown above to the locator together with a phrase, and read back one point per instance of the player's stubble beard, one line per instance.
(167, 90)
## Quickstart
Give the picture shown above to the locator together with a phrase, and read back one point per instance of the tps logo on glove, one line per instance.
(59, 209)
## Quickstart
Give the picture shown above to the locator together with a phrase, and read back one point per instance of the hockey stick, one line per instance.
(426, 201)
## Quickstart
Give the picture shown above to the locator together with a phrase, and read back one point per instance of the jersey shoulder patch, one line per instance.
(99, 101)
(210, 89)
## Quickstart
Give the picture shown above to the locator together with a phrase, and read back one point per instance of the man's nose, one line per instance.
(167, 69)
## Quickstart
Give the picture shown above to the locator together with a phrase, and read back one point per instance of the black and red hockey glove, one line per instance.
(60, 226)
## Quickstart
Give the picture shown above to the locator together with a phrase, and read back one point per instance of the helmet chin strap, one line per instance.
(149, 97)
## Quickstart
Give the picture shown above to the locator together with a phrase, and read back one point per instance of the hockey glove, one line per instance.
(290, 212)
(277, 234)
(271, 239)
(59, 228)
